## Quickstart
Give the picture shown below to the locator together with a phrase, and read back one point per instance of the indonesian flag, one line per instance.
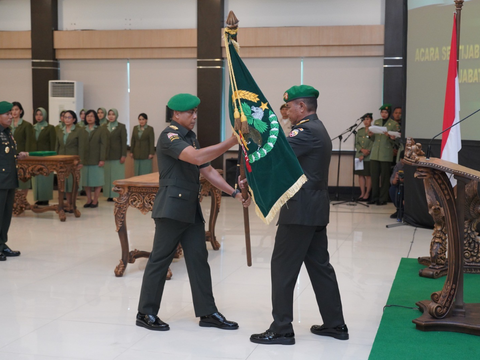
(451, 139)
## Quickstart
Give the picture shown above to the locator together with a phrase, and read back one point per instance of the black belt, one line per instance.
(315, 185)
(181, 183)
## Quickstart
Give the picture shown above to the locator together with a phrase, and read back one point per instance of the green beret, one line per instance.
(5, 107)
(183, 102)
(385, 107)
(300, 91)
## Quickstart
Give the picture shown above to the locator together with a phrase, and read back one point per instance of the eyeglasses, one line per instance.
(67, 117)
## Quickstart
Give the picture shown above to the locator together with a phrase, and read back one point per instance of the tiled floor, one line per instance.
(61, 300)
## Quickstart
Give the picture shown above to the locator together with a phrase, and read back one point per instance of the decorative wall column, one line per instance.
(210, 21)
(45, 67)
(395, 54)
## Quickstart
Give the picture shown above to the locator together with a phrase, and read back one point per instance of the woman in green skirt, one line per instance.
(116, 153)
(363, 146)
(102, 115)
(93, 175)
(71, 140)
(142, 146)
(45, 141)
(23, 134)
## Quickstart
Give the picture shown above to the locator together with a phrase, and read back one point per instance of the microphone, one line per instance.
(429, 148)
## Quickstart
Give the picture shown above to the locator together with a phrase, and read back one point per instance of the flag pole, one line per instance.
(458, 8)
(459, 304)
(232, 23)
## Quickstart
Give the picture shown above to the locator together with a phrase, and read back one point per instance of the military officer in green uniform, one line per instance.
(302, 229)
(178, 217)
(8, 177)
(363, 147)
(381, 156)
(23, 134)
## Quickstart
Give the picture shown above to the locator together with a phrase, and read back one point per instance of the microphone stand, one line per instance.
(353, 202)
(340, 137)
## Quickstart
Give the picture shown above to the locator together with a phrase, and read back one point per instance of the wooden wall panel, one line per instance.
(319, 41)
(15, 45)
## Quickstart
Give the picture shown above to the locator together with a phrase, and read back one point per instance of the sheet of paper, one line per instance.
(358, 164)
(394, 133)
(377, 129)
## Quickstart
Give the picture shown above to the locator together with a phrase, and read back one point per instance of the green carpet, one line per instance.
(397, 337)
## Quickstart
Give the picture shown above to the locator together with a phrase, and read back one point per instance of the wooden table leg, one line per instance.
(76, 185)
(20, 204)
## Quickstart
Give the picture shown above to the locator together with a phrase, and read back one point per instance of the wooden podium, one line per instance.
(446, 311)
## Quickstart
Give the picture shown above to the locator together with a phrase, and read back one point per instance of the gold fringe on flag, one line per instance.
(281, 201)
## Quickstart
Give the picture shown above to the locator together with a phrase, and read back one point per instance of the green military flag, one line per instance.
(272, 169)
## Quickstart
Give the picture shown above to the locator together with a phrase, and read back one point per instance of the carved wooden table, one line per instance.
(63, 166)
(446, 310)
(139, 192)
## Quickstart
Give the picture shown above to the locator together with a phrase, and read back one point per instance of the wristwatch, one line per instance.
(235, 192)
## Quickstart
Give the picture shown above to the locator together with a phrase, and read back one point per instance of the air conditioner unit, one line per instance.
(64, 95)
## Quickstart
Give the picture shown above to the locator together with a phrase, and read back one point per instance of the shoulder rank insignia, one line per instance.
(172, 136)
(303, 121)
(173, 127)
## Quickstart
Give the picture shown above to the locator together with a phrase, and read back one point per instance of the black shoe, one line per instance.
(271, 338)
(110, 199)
(339, 332)
(217, 320)
(394, 215)
(380, 203)
(87, 205)
(2, 256)
(92, 205)
(9, 252)
(42, 203)
(151, 322)
(371, 202)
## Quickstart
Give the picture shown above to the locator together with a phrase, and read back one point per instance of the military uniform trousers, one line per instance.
(380, 173)
(7, 196)
(294, 245)
(168, 234)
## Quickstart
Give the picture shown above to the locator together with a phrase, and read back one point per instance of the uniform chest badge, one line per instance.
(172, 136)
(173, 127)
(7, 149)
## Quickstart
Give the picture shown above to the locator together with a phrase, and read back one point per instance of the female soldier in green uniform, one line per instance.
(363, 145)
(71, 141)
(102, 115)
(142, 146)
(116, 153)
(22, 132)
(45, 141)
(381, 156)
(93, 175)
